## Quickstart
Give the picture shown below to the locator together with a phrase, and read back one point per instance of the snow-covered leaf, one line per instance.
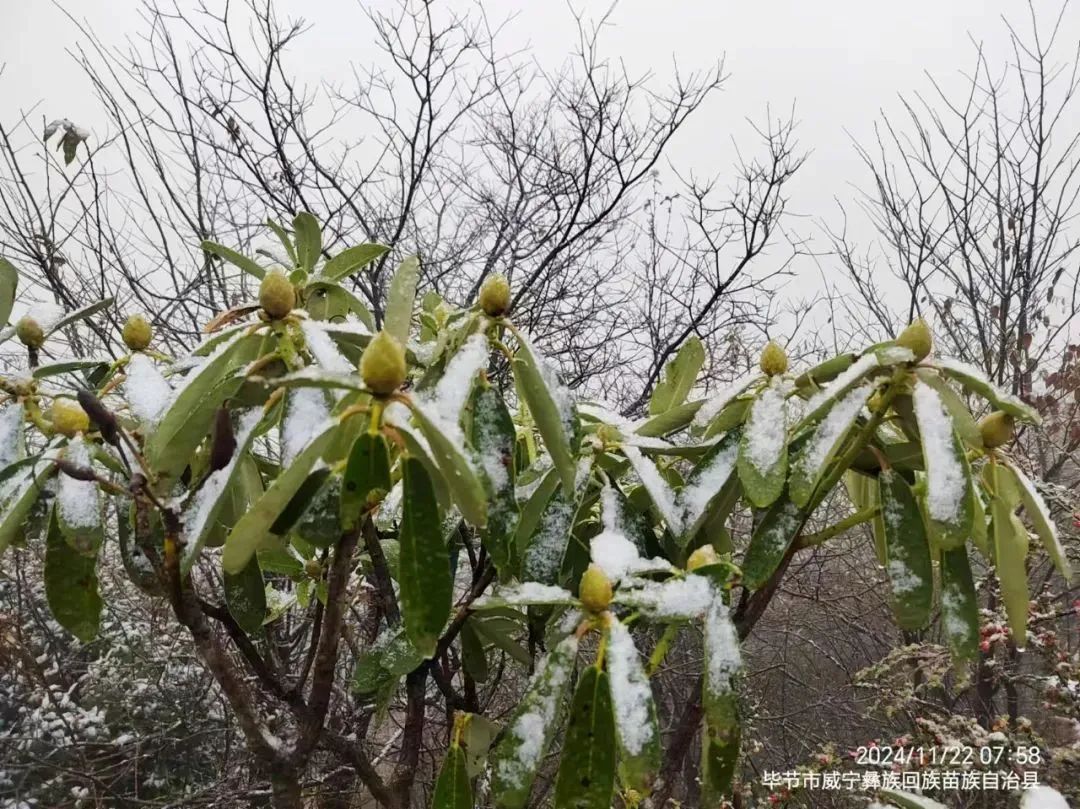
(763, 457)
(959, 608)
(770, 541)
(831, 433)
(977, 382)
(636, 725)
(551, 406)
(708, 479)
(908, 552)
(77, 315)
(493, 437)
(723, 660)
(948, 477)
(528, 593)
(78, 503)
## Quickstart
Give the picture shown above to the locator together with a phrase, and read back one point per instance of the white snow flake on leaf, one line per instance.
(766, 428)
(676, 598)
(306, 413)
(723, 655)
(630, 691)
(706, 483)
(78, 499)
(615, 554)
(843, 381)
(946, 482)
(662, 495)
(11, 433)
(148, 392)
(527, 592)
(722, 398)
(323, 348)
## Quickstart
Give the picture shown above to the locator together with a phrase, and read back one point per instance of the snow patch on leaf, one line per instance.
(631, 695)
(78, 499)
(148, 392)
(946, 481)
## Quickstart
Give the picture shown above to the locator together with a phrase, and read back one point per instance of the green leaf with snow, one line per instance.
(529, 730)
(246, 264)
(586, 778)
(763, 458)
(770, 541)
(816, 456)
(400, 299)
(636, 724)
(1039, 514)
(453, 789)
(977, 382)
(493, 436)
(959, 607)
(71, 585)
(308, 238)
(948, 476)
(351, 260)
(670, 421)
(721, 737)
(391, 656)
(963, 422)
(543, 555)
(245, 596)
(908, 564)
(424, 575)
(553, 416)
(680, 374)
(1010, 552)
(9, 284)
(366, 478)
(78, 503)
(458, 471)
(79, 314)
(703, 493)
(255, 526)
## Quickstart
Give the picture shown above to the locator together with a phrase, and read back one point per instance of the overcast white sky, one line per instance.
(838, 61)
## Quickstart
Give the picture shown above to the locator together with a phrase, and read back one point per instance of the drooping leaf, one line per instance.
(79, 314)
(948, 476)
(831, 434)
(246, 264)
(680, 374)
(473, 655)
(254, 527)
(963, 422)
(351, 260)
(1039, 514)
(424, 575)
(245, 596)
(976, 381)
(909, 567)
(763, 458)
(864, 494)
(515, 759)
(586, 778)
(401, 297)
(959, 608)
(9, 284)
(1010, 554)
(458, 471)
(367, 473)
(308, 236)
(453, 790)
(636, 725)
(551, 409)
(71, 585)
(493, 437)
(721, 737)
(770, 541)
(78, 502)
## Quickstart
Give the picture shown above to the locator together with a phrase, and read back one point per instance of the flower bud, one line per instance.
(276, 295)
(68, 418)
(917, 339)
(705, 555)
(313, 569)
(495, 296)
(595, 589)
(773, 359)
(382, 365)
(137, 333)
(996, 429)
(29, 332)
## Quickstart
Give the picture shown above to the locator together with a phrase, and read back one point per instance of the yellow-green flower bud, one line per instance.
(595, 589)
(313, 569)
(29, 332)
(68, 418)
(276, 295)
(495, 296)
(137, 333)
(382, 365)
(705, 555)
(917, 339)
(773, 359)
(996, 429)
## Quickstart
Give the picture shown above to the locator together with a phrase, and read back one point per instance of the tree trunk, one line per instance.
(285, 785)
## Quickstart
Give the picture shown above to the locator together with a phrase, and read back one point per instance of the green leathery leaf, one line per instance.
(864, 494)
(477, 738)
(529, 730)
(1010, 555)
(71, 585)
(714, 474)
(721, 737)
(636, 726)
(493, 436)
(763, 457)
(1039, 514)
(976, 381)
(245, 596)
(367, 476)
(68, 366)
(959, 608)
(330, 302)
(390, 657)
(963, 422)
(770, 541)
(187, 422)
(550, 421)
(352, 259)
(473, 657)
(825, 371)
(284, 238)
(542, 558)
(424, 575)
(297, 505)
(586, 778)
(9, 283)
(680, 374)
(400, 299)
(246, 264)
(670, 421)
(533, 511)
(79, 314)
(458, 471)
(910, 570)
(951, 513)
(418, 447)
(453, 790)
(132, 556)
(979, 534)
(830, 435)
(253, 528)
(308, 237)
